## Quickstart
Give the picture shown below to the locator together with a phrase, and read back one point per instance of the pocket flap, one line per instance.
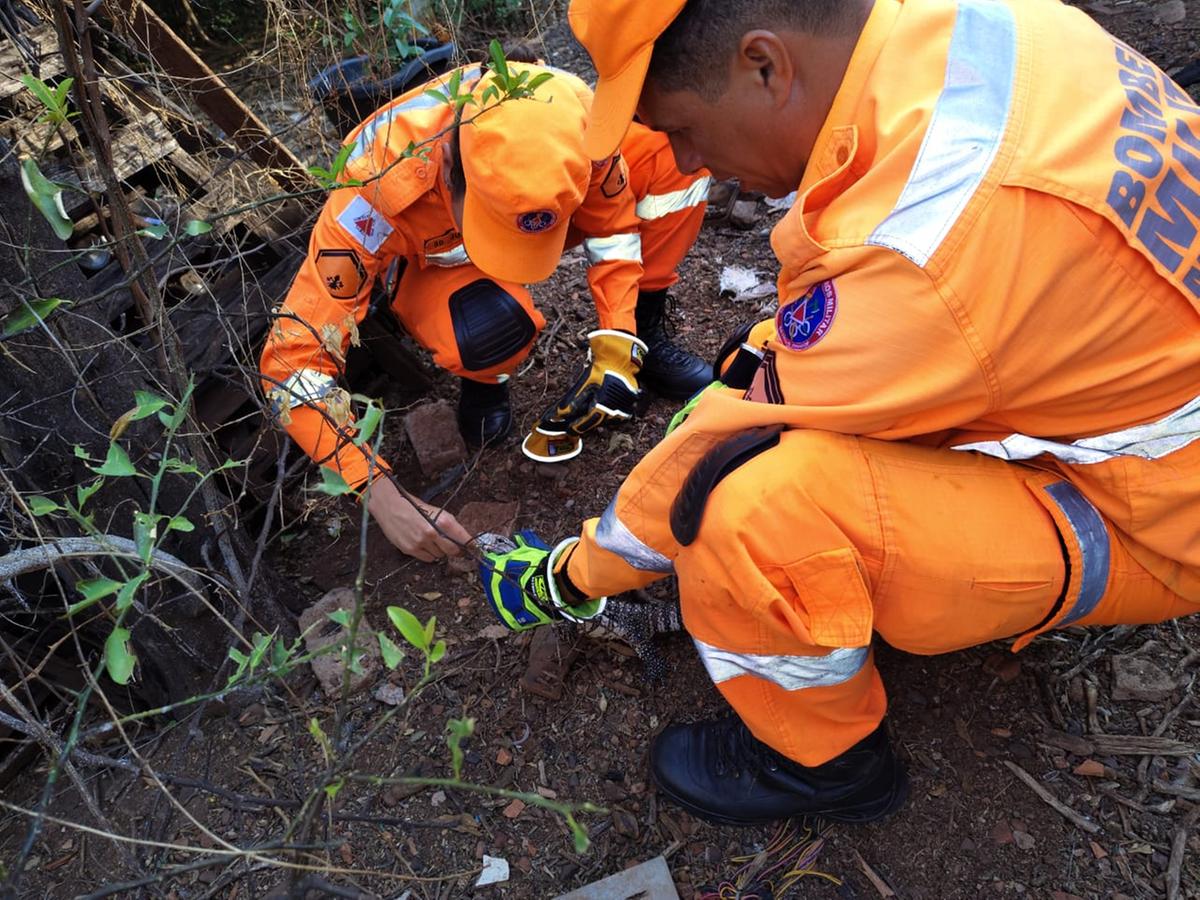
(832, 591)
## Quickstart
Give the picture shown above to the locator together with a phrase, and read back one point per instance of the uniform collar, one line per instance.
(838, 143)
(847, 108)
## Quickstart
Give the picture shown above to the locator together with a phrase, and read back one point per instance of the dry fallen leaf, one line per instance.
(514, 809)
(503, 757)
(1002, 833)
(1090, 768)
(1098, 851)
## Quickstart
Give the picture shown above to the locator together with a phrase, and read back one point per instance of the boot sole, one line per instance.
(860, 815)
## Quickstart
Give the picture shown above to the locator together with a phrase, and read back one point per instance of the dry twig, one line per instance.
(1058, 806)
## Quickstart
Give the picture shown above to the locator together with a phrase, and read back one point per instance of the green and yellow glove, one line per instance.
(520, 585)
(607, 388)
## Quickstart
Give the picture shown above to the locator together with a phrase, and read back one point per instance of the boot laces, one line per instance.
(740, 751)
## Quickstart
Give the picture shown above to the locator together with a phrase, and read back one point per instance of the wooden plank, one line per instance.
(13, 64)
(217, 99)
(136, 146)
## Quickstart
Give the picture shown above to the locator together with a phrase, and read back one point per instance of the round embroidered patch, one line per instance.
(803, 323)
(537, 222)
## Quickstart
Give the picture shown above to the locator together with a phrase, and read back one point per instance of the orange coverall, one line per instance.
(637, 222)
(986, 359)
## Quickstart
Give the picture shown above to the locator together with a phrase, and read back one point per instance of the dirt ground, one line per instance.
(972, 829)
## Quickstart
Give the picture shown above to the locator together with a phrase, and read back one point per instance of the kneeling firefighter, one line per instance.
(964, 424)
(453, 234)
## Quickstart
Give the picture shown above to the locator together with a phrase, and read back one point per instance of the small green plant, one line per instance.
(384, 30)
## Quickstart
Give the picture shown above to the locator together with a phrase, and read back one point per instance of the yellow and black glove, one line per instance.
(606, 389)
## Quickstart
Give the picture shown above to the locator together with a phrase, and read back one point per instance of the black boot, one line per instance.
(721, 772)
(484, 413)
(668, 370)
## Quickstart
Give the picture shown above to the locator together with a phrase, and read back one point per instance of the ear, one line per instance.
(763, 56)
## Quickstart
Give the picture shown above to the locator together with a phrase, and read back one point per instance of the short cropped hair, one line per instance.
(693, 53)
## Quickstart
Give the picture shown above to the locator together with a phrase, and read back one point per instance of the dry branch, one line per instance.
(1058, 806)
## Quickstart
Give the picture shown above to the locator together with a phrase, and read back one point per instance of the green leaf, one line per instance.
(195, 228)
(262, 643)
(180, 523)
(145, 405)
(116, 464)
(370, 421)
(538, 81)
(47, 197)
(333, 484)
(97, 588)
(41, 506)
(119, 659)
(579, 833)
(392, 655)
(129, 591)
(80, 453)
(491, 92)
(429, 628)
(409, 626)
(339, 161)
(341, 617)
(242, 661)
(499, 63)
(145, 533)
(460, 730)
(331, 790)
(279, 655)
(155, 230)
(438, 651)
(41, 90)
(84, 492)
(175, 419)
(180, 467)
(31, 314)
(438, 96)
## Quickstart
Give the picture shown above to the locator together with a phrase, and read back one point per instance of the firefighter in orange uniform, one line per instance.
(454, 232)
(976, 414)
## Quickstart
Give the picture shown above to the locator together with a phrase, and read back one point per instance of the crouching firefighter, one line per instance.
(964, 424)
(454, 233)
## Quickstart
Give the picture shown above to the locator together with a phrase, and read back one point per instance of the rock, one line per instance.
(390, 694)
(432, 430)
(1135, 678)
(1172, 12)
(721, 197)
(745, 214)
(625, 824)
(320, 631)
(484, 518)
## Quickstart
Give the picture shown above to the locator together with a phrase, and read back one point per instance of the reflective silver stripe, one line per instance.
(613, 536)
(1152, 441)
(965, 132)
(306, 386)
(626, 247)
(450, 259)
(658, 206)
(792, 673)
(1092, 538)
(383, 118)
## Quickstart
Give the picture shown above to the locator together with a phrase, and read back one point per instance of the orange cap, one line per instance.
(526, 176)
(620, 36)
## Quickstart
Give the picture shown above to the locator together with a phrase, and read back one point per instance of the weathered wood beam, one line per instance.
(217, 99)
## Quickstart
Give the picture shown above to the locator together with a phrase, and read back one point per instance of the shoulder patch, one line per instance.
(617, 178)
(342, 273)
(803, 323)
(365, 224)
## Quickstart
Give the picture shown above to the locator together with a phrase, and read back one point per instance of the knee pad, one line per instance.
(490, 326)
(687, 512)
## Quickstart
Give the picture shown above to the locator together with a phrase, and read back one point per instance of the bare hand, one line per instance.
(400, 516)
